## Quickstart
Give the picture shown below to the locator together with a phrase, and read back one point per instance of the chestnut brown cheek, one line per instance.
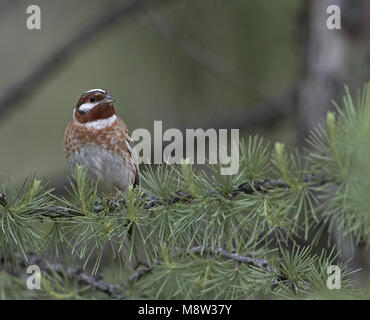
(81, 118)
(99, 112)
(102, 111)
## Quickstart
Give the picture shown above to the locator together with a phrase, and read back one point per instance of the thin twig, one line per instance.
(95, 282)
(248, 260)
(3, 200)
(97, 25)
(262, 113)
(224, 71)
(137, 275)
(252, 187)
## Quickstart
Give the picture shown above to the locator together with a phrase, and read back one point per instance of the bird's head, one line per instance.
(95, 104)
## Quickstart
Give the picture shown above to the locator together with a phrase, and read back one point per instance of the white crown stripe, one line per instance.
(92, 90)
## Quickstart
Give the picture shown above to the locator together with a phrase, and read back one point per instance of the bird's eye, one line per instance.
(92, 98)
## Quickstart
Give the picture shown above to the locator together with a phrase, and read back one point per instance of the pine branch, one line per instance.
(137, 275)
(251, 187)
(249, 260)
(151, 202)
(98, 284)
(95, 282)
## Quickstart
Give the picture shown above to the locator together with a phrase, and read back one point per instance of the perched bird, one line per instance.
(98, 140)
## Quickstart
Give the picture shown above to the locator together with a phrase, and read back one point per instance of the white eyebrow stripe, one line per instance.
(87, 106)
(100, 90)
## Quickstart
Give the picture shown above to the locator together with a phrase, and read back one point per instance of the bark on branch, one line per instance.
(149, 202)
(95, 282)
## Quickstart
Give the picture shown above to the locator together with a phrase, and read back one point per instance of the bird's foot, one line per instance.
(113, 201)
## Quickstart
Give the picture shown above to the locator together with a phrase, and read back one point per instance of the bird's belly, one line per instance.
(109, 168)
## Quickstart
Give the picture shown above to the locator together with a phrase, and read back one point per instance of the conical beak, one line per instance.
(109, 99)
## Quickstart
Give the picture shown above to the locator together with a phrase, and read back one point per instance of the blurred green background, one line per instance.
(265, 67)
(150, 77)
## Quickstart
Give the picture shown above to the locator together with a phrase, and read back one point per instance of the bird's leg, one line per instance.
(117, 196)
(113, 201)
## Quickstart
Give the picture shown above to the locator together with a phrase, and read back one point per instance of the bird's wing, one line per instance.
(130, 149)
(67, 139)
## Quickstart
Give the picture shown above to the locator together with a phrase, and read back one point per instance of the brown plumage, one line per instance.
(98, 140)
